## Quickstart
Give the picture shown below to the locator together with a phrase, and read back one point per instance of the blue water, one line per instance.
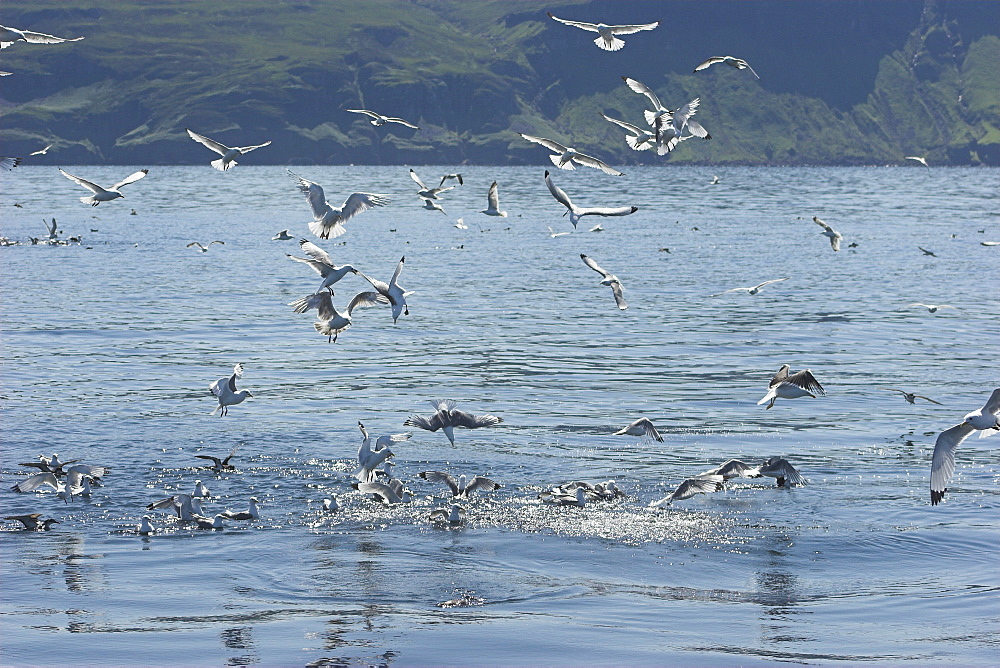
(109, 347)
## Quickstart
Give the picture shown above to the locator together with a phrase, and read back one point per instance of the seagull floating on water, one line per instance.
(10, 35)
(330, 321)
(799, 384)
(608, 39)
(608, 279)
(462, 486)
(331, 505)
(702, 484)
(392, 291)
(985, 420)
(493, 202)
(102, 194)
(225, 390)
(204, 249)
(321, 262)
(576, 496)
(145, 526)
(455, 515)
(329, 221)
(578, 212)
(641, 427)
(752, 290)
(252, 513)
(736, 63)
(379, 120)
(828, 231)
(564, 156)
(228, 154)
(911, 397)
(447, 417)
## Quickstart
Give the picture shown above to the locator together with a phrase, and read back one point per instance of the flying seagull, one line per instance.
(564, 157)
(933, 308)
(702, 484)
(283, 235)
(456, 515)
(321, 262)
(737, 63)
(922, 161)
(553, 234)
(379, 120)
(431, 205)
(578, 212)
(779, 468)
(462, 486)
(734, 468)
(926, 252)
(985, 420)
(391, 291)
(330, 321)
(607, 40)
(31, 523)
(640, 139)
(219, 464)
(41, 151)
(102, 194)
(327, 220)
(9, 163)
(752, 290)
(202, 248)
(10, 35)
(228, 154)
(641, 427)
(799, 384)
(667, 122)
(493, 202)
(828, 231)
(446, 177)
(425, 192)
(225, 390)
(447, 418)
(910, 397)
(608, 279)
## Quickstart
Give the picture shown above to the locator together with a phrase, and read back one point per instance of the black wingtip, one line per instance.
(937, 496)
(634, 209)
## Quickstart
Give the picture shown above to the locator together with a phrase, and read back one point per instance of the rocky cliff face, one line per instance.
(843, 82)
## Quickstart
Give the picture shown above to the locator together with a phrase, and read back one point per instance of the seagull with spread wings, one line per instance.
(641, 427)
(578, 212)
(608, 279)
(225, 390)
(828, 231)
(910, 397)
(493, 202)
(462, 486)
(428, 193)
(203, 248)
(331, 322)
(564, 157)
(702, 484)
(10, 35)
(229, 154)
(986, 420)
(392, 291)
(103, 194)
(799, 384)
(753, 289)
(379, 120)
(321, 262)
(669, 124)
(448, 418)
(607, 39)
(736, 63)
(917, 158)
(328, 221)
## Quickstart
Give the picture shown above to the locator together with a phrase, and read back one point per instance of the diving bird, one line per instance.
(753, 289)
(828, 231)
(102, 194)
(327, 220)
(202, 248)
(448, 418)
(9, 163)
(922, 161)
(462, 486)
(799, 384)
(321, 262)
(228, 154)
(456, 515)
(641, 427)
(608, 279)
(392, 291)
(10, 35)
(283, 235)
(331, 322)
(607, 39)
(564, 157)
(379, 120)
(225, 390)
(985, 420)
(493, 202)
(910, 397)
(577, 212)
(932, 308)
(736, 63)
(31, 523)
(428, 193)
(701, 484)
(219, 464)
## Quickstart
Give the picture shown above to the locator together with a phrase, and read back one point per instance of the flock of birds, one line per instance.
(665, 129)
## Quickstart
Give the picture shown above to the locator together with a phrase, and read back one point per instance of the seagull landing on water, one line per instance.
(933, 308)
(736, 63)
(608, 279)
(752, 290)
(225, 390)
(911, 397)
(203, 248)
(782, 471)
(799, 384)
(702, 484)
(462, 486)
(329, 221)
(219, 464)
(321, 262)
(985, 420)
(734, 468)
(10, 35)
(828, 231)
(392, 291)
(607, 39)
(448, 418)
(493, 202)
(565, 156)
(331, 322)
(31, 523)
(228, 154)
(378, 120)
(641, 427)
(578, 212)
(102, 194)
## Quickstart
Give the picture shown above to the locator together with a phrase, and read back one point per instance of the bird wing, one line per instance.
(320, 301)
(470, 421)
(779, 376)
(483, 483)
(696, 129)
(365, 112)
(558, 192)
(591, 161)
(359, 202)
(806, 381)
(773, 280)
(920, 396)
(708, 63)
(590, 27)
(698, 485)
(744, 64)
(92, 187)
(413, 175)
(32, 483)
(393, 119)
(131, 178)
(42, 38)
(441, 476)
(943, 460)
(218, 462)
(395, 274)
(593, 265)
(433, 423)
(237, 373)
(377, 284)
(247, 149)
(823, 225)
(321, 268)
(547, 143)
(616, 288)
(630, 29)
(493, 197)
(221, 149)
(379, 488)
(364, 299)
(624, 124)
(314, 193)
(993, 403)
(607, 211)
(650, 430)
(643, 89)
(315, 252)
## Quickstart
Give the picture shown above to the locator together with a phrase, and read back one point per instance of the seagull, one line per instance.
(734, 468)
(715, 180)
(641, 427)
(51, 229)
(9, 163)
(933, 308)
(41, 151)
(576, 212)
(926, 252)
(609, 280)
(428, 193)
(493, 201)
(922, 161)
(456, 515)
(101, 194)
(200, 491)
(392, 492)
(47, 465)
(461, 487)
(322, 264)
(145, 526)
(989, 243)
(204, 249)
(828, 231)
(370, 458)
(331, 322)
(702, 484)
(10, 35)
(640, 139)
(553, 234)
(205, 523)
(910, 397)
(331, 505)
(752, 290)
(225, 390)
(228, 154)
(186, 506)
(447, 177)
(565, 156)
(447, 417)
(328, 221)
(737, 63)
(431, 205)
(391, 291)
(680, 120)
(78, 478)
(249, 514)
(607, 40)
(31, 522)
(778, 467)
(379, 120)
(565, 496)
(283, 235)
(799, 384)
(985, 420)
(218, 464)
(460, 224)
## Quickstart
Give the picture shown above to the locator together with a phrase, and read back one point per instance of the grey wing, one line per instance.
(395, 274)
(359, 202)
(209, 143)
(413, 175)
(480, 482)
(218, 462)
(943, 460)
(32, 483)
(823, 224)
(623, 124)
(630, 29)
(363, 299)
(247, 149)
(320, 301)
(708, 63)
(377, 284)
(92, 187)
(315, 252)
(806, 381)
(647, 425)
(131, 178)
(590, 27)
(42, 38)
(470, 421)
(993, 403)
(779, 376)
(493, 198)
(747, 65)
(608, 211)
(643, 89)
(321, 268)
(547, 143)
(379, 488)
(920, 396)
(558, 192)
(441, 476)
(591, 161)
(616, 288)
(773, 280)
(696, 129)
(433, 423)
(393, 119)
(593, 265)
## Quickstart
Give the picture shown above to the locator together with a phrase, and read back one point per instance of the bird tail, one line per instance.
(222, 165)
(635, 144)
(612, 44)
(89, 200)
(767, 397)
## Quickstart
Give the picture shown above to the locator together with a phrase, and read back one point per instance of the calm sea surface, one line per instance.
(109, 347)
